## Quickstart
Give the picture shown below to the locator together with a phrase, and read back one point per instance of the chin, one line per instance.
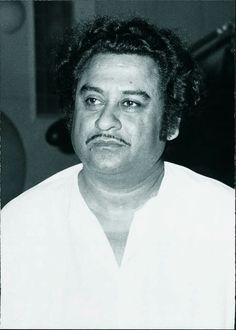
(106, 165)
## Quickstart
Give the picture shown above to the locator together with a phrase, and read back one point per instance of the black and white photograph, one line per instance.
(117, 164)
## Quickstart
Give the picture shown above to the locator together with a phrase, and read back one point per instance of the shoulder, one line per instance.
(187, 180)
(41, 197)
(199, 201)
(204, 207)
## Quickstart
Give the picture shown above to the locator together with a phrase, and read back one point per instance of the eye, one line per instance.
(92, 101)
(130, 105)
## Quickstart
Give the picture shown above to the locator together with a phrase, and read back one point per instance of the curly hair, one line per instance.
(180, 77)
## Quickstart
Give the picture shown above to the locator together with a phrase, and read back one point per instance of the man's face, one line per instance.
(118, 112)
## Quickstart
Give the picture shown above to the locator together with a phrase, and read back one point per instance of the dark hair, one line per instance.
(180, 76)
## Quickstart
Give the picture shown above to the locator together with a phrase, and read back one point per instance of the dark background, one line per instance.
(34, 142)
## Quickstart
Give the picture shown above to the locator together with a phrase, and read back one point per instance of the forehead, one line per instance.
(124, 69)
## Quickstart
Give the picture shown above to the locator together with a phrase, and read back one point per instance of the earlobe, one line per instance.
(176, 132)
(174, 135)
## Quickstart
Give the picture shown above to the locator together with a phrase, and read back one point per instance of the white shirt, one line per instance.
(59, 270)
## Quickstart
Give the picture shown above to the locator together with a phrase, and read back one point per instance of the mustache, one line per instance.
(113, 137)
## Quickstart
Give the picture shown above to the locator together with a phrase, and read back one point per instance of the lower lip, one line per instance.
(107, 145)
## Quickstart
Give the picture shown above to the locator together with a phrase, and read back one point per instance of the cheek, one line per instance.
(80, 124)
(148, 133)
(154, 126)
(146, 127)
(77, 133)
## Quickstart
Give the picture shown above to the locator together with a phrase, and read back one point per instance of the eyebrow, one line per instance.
(88, 88)
(138, 92)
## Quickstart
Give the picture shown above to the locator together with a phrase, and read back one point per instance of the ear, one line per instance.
(175, 133)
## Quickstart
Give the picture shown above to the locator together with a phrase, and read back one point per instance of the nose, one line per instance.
(108, 120)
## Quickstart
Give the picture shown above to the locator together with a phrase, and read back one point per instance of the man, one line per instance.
(126, 240)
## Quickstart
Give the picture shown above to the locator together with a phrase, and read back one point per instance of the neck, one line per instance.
(120, 192)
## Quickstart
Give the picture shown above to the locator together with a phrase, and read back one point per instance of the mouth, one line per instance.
(107, 144)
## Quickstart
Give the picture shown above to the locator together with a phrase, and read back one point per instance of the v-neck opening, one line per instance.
(118, 241)
(79, 206)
